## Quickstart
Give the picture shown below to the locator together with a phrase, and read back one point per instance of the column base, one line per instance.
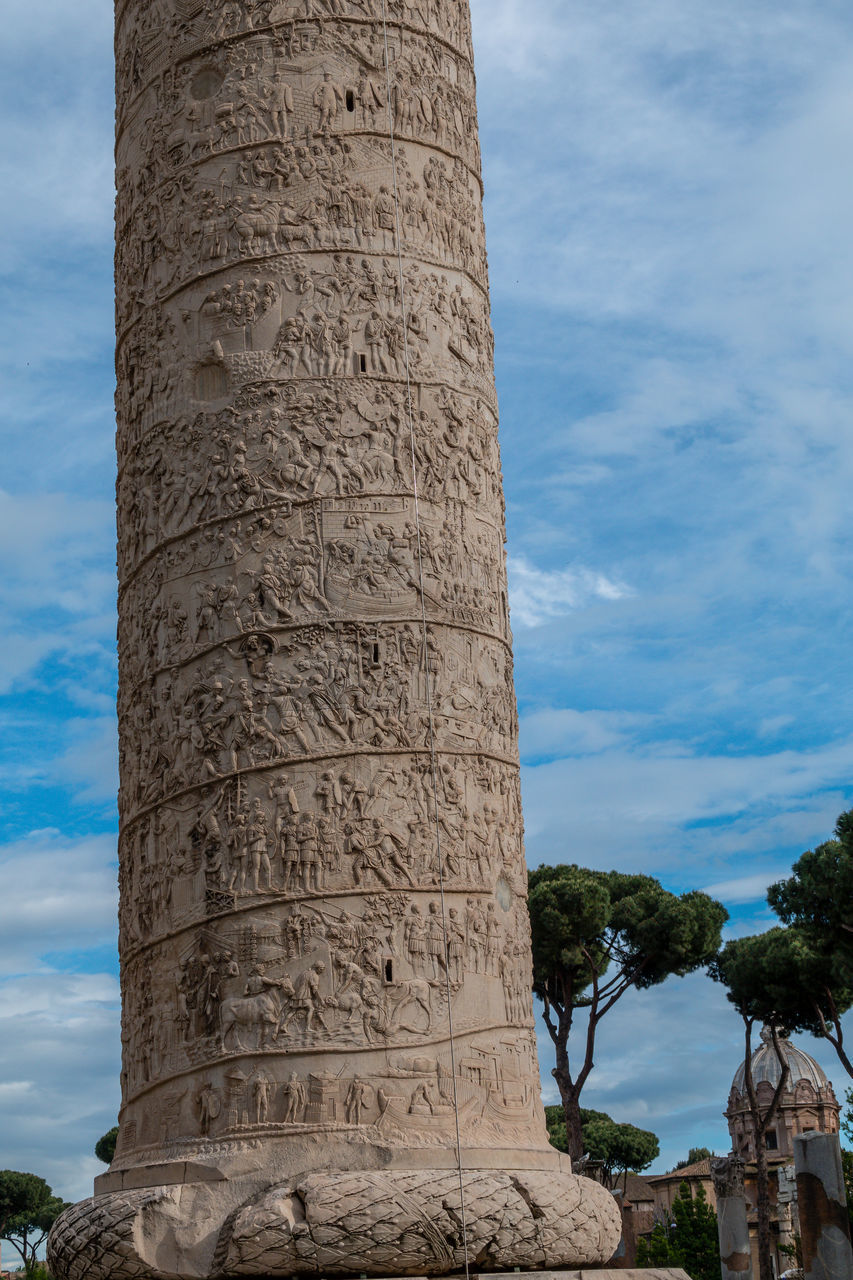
(384, 1223)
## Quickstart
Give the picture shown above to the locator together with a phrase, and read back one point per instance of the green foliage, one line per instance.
(17, 1192)
(28, 1209)
(105, 1147)
(697, 1241)
(595, 935)
(770, 977)
(793, 1251)
(689, 1240)
(555, 1119)
(620, 1148)
(847, 1156)
(818, 896)
(815, 902)
(753, 969)
(569, 916)
(587, 922)
(657, 1251)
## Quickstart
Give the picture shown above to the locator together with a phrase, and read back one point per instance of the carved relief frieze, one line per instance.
(322, 691)
(331, 973)
(302, 830)
(324, 941)
(159, 47)
(285, 198)
(284, 447)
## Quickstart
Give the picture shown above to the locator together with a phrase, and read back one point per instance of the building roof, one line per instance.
(701, 1169)
(765, 1065)
(638, 1190)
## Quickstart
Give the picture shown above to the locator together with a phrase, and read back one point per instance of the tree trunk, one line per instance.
(570, 1098)
(765, 1269)
(760, 1125)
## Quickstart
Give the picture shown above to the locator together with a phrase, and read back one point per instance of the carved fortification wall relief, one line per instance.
(329, 1060)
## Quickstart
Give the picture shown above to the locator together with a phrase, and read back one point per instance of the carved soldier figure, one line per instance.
(207, 1103)
(328, 97)
(293, 1093)
(256, 839)
(435, 945)
(290, 853)
(357, 1098)
(238, 849)
(415, 938)
(309, 853)
(261, 1091)
(455, 946)
(308, 1000)
(282, 106)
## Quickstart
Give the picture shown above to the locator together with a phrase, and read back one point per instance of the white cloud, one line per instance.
(539, 594)
(45, 539)
(742, 889)
(659, 808)
(62, 1031)
(62, 897)
(90, 763)
(57, 596)
(56, 999)
(58, 127)
(14, 1088)
(553, 732)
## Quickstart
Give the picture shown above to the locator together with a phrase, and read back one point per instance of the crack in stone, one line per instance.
(536, 1210)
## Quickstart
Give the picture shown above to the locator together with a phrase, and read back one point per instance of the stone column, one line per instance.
(329, 1052)
(822, 1204)
(732, 1224)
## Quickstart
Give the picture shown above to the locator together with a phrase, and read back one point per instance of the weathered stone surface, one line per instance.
(413, 1221)
(324, 940)
(372, 1223)
(732, 1221)
(822, 1207)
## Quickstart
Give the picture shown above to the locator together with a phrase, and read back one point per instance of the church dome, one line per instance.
(765, 1065)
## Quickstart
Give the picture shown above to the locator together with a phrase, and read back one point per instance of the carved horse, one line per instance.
(410, 994)
(260, 1013)
(256, 229)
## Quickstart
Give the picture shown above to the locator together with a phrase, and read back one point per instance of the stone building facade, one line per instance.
(808, 1104)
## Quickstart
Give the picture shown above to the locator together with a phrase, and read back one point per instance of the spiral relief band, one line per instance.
(425, 629)
(326, 975)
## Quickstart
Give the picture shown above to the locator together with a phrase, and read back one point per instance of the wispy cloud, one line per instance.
(743, 889)
(62, 898)
(537, 595)
(14, 1088)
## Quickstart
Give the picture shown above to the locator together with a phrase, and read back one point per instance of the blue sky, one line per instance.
(668, 198)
